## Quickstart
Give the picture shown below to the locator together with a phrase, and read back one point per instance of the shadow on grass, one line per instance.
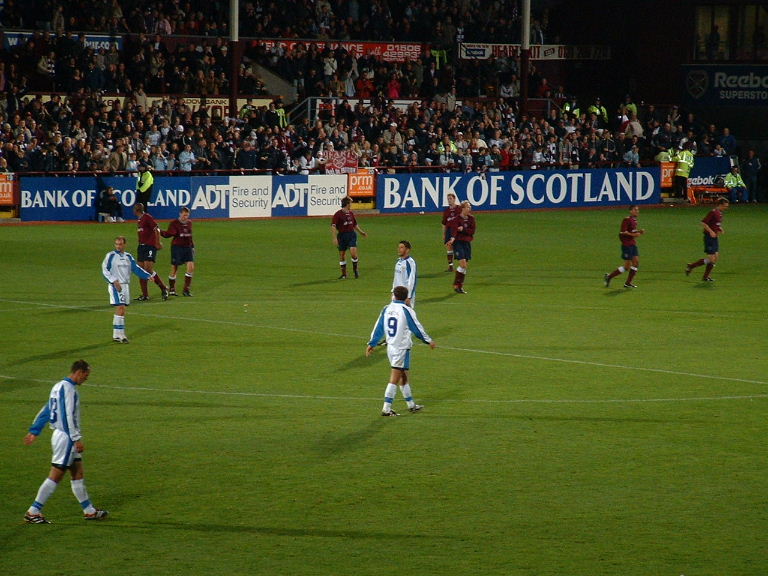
(313, 283)
(69, 353)
(155, 525)
(332, 445)
(447, 296)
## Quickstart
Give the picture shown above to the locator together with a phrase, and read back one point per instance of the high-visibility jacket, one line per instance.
(734, 181)
(685, 162)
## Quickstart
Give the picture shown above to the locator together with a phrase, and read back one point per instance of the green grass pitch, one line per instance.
(568, 429)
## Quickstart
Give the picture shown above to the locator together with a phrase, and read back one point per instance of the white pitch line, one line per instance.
(364, 399)
(469, 350)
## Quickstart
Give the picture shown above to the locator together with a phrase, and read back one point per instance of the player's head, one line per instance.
(138, 208)
(404, 248)
(120, 243)
(400, 293)
(346, 201)
(80, 371)
(183, 213)
(466, 206)
(634, 209)
(451, 199)
(723, 202)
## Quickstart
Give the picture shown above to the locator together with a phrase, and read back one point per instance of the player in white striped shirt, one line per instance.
(396, 324)
(116, 268)
(62, 412)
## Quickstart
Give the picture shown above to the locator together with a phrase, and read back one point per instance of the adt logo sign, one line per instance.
(290, 196)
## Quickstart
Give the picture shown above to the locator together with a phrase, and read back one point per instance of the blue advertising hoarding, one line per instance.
(519, 190)
(76, 198)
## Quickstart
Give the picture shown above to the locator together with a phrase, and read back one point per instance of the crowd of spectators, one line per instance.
(443, 128)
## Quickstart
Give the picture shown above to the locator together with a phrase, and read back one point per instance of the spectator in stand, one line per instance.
(750, 172)
(737, 189)
(728, 142)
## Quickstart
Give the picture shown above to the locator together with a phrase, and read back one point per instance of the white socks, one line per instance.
(118, 326)
(78, 489)
(46, 490)
(389, 396)
(406, 390)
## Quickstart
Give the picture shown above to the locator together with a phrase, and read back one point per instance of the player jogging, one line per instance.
(712, 224)
(628, 234)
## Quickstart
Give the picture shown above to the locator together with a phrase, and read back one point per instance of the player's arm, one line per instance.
(377, 334)
(42, 418)
(417, 329)
(139, 271)
(109, 275)
(158, 241)
(171, 232)
(357, 227)
(66, 410)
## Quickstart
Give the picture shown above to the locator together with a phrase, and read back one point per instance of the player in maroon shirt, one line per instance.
(182, 250)
(713, 228)
(146, 254)
(628, 234)
(344, 230)
(462, 233)
(449, 215)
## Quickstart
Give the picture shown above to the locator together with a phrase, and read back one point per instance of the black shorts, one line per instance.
(462, 250)
(711, 245)
(146, 253)
(182, 254)
(629, 252)
(347, 240)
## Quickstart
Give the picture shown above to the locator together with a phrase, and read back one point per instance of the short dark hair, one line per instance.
(406, 244)
(346, 201)
(400, 292)
(80, 365)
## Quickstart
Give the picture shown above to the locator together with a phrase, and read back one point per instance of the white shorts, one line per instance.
(64, 453)
(399, 357)
(119, 298)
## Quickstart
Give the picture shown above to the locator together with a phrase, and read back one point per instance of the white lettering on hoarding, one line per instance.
(57, 198)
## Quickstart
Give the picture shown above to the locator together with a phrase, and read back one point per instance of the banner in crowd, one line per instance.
(483, 51)
(77, 198)
(340, 162)
(387, 51)
(519, 190)
(724, 85)
(13, 39)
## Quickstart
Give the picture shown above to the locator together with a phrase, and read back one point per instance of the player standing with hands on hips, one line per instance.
(344, 230)
(116, 268)
(396, 323)
(713, 228)
(182, 250)
(629, 253)
(62, 412)
(462, 233)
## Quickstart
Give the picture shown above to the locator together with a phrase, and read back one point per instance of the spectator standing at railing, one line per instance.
(750, 171)
(685, 162)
